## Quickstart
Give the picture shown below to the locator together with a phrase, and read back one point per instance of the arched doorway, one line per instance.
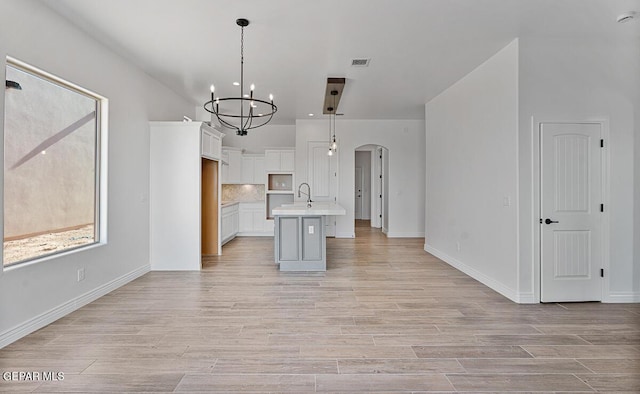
(371, 186)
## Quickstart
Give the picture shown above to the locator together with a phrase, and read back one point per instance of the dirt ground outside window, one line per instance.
(44, 244)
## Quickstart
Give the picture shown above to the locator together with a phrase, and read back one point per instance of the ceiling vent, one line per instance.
(360, 62)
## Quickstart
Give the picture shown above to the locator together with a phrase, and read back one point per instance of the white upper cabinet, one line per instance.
(287, 161)
(248, 163)
(253, 169)
(234, 169)
(210, 143)
(272, 160)
(242, 168)
(279, 160)
(259, 172)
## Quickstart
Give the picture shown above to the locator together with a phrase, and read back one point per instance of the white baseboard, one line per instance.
(396, 234)
(385, 230)
(622, 298)
(255, 234)
(526, 298)
(62, 310)
(345, 235)
(477, 275)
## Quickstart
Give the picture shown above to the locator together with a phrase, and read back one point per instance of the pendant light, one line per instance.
(333, 145)
(330, 152)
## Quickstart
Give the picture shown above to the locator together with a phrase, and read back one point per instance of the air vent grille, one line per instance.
(360, 62)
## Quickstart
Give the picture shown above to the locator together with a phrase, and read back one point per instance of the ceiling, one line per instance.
(417, 47)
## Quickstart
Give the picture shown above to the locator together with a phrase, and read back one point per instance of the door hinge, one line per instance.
(380, 176)
(601, 207)
(381, 216)
(540, 220)
(602, 272)
(381, 196)
(602, 143)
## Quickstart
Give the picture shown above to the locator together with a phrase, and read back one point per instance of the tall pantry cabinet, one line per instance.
(184, 206)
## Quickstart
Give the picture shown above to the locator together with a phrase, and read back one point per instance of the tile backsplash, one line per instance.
(243, 193)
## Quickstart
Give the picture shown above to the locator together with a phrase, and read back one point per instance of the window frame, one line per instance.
(100, 165)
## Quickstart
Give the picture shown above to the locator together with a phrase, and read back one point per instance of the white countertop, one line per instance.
(224, 204)
(317, 208)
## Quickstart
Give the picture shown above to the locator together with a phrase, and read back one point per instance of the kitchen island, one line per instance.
(299, 235)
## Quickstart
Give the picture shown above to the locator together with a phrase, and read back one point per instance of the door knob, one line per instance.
(549, 221)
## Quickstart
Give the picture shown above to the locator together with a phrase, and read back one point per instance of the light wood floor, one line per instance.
(386, 316)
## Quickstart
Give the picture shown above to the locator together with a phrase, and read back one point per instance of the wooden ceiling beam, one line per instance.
(337, 85)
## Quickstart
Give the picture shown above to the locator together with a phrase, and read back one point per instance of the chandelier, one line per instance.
(249, 112)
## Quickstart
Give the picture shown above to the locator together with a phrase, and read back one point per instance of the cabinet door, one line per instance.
(247, 170)
(225, 226)
(225, 168)
(259, 174)
(235, 222)
(287, 161)
(246, 221)
(258, 217)
(234, 174)
(272, 160)
(206, 144)
(216, 147)
(269, 226)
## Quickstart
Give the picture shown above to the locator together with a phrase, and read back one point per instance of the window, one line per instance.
(51, 165)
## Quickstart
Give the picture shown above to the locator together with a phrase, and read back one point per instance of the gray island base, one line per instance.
(300, 243)
(300, 239)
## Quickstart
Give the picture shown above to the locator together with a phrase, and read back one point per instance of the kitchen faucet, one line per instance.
(308, 194)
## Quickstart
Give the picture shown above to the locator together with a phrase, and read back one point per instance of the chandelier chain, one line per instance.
(242, 75)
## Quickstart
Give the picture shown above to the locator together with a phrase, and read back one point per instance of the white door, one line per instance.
(323, 177)
(358, 193)
(570, 206)
(384, 180)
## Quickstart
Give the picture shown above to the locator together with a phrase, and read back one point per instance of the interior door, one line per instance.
(358, 193)
(322, 176)
(570, 224)
(384, 182)
(209, 208)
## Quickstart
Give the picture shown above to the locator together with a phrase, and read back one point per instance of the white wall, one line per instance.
(405, 141)
(472, 162)
(33, 295)
(574, 80)
(256, 140)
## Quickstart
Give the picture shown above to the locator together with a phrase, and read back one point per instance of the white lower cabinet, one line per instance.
(229, 225)
(253, 221)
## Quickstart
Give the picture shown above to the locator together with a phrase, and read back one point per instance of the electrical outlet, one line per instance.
(506, 201)
(80, 274)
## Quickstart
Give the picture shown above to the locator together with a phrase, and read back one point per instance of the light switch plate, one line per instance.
(311, 229)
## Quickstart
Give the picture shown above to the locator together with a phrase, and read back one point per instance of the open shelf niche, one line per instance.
(279, 191)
